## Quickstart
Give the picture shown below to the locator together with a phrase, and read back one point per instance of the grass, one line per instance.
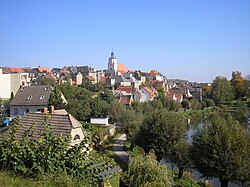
(185, 181)
(8, 179)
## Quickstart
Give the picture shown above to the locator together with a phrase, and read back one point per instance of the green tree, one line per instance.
(56, 99)
(221, 90)
(209, 102)
(146, 171)
(131, 121)
(3, 112)
(221, 150)
(195, 104)
(163, 131)
(185, 104)
(206, 92)
(239, 84)
(99, 107)
(180, 156)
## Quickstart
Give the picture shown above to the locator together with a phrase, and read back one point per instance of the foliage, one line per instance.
(206, 92)
(222, 90)
(239, 84)
(146, 171)
(56, 99)
(209, 102)
(195, 104)
(185, 104)
(168, 104)
(3, 111)
(49, 155)
(180, 156)
(221, 150)
(165, 133)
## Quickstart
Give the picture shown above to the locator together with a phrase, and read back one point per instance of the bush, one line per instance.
(50, 155)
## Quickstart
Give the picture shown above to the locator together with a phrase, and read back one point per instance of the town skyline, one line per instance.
(195, 41)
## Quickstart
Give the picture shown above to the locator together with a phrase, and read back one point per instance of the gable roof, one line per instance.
(60, 122)
(43, 69)
(15, 70)
(127, 89)
(151, 93)
(122, 68)
(153, 73)
(120, 78)
(32, 95)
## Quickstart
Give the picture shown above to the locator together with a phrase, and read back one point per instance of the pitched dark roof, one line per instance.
(32, 95)
(120, 78)
(60, 122)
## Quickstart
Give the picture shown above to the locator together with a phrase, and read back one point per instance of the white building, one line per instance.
(10, 83)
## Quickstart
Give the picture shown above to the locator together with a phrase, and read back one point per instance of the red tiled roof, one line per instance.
(43, 69)
(153, 73)
(149, 91)
(127, 89)
(103, 79)
(122, 68)
(154, 90)
(15, 70)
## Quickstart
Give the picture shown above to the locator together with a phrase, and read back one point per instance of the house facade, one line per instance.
(30, 99)
(10, 83)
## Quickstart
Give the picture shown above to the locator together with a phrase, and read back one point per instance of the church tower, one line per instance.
(112, 64)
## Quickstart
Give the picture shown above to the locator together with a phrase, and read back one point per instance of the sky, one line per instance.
(194, 40)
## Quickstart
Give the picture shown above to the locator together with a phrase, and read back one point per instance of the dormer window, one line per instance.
(30, 97)
(42, 97)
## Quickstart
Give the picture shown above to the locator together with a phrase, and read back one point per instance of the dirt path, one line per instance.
(118, 149)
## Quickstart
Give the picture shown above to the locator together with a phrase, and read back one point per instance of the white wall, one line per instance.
(5, 87)
(10, 83)
(23, 110)
(74, 132)
(145, 96)
(102, 121)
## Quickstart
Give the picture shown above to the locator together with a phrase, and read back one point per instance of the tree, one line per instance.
(146, 171)
(239, 84)
(180, 156)
(221, 90)
(209, 102)
(163, 131)
(206, 92)
(195, 104)
(56, 99)
(3, 112)
(131, 121)
(221, 149)
(185, 104)
(99, 107)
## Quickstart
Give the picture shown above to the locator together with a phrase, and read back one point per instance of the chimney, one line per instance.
(44, 110)
(51, 109)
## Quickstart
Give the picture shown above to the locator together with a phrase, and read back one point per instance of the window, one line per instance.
(30, 97)
(15, 111)
(27, 110)
(42, 97)
(77, 137)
